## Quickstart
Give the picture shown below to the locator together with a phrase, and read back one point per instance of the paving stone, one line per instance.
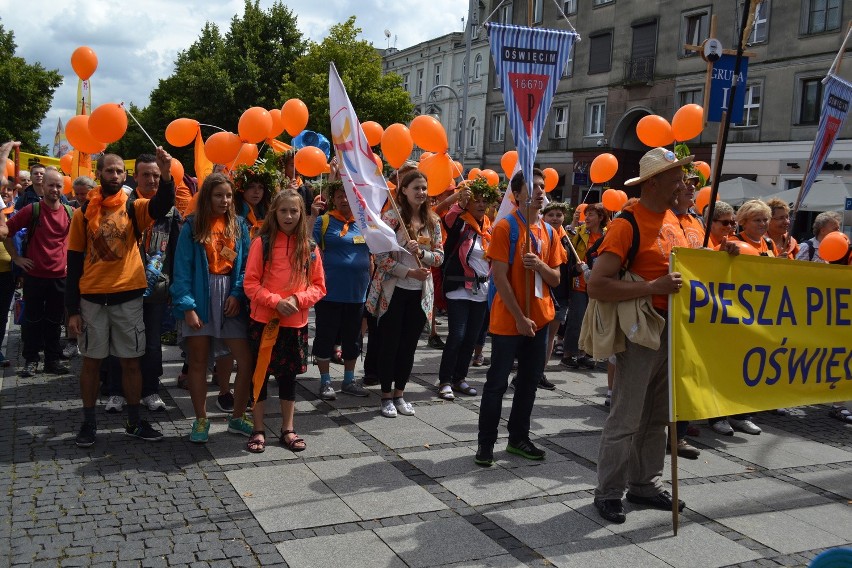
(706, 548)
(362, 548)
(782, 532)
(545, 525)
(322, 436)
(489, 485)
(444, 541)
(601, 552)
(835, 480)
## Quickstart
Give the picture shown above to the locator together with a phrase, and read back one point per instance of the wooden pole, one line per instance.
(399, 216)
(673, 445)
(530, 189)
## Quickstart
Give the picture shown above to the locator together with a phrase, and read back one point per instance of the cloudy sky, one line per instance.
(136, 41)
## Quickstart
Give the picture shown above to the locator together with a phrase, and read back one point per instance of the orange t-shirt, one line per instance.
(218, 262)
(693, 229)
(551, 252)
(659, 233)
(791, 249)
(764, 247)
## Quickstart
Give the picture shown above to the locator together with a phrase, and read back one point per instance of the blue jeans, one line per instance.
(530, 352)
(464, 322)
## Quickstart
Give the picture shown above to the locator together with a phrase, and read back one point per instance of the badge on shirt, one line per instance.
(359, 239)
(228, 253)
(424, 240)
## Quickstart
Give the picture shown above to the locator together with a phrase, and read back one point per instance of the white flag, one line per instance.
(365, 186)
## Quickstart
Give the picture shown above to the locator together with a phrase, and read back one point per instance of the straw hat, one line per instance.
(655, 162)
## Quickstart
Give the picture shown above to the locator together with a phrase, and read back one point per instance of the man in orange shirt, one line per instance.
(633, 441)
(514, 332)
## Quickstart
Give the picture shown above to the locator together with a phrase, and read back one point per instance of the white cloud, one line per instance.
(136, 41)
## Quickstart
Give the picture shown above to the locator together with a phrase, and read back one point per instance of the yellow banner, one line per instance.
(752, 333)
(28, 160)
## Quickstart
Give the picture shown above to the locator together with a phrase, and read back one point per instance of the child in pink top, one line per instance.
(283, 281)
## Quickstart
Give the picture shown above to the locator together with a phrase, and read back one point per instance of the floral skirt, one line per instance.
(290, 352)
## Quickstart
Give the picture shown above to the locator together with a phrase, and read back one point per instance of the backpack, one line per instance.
(35, 222)
(325, 219)
(592, 252)
(811, 248)
(514, 235)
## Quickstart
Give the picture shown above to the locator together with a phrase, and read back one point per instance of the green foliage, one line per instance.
(268, 171)
(27, 93)
(480, 188)
(374, 96)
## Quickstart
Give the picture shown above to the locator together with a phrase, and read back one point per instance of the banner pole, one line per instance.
(399, 216)
(675, 501)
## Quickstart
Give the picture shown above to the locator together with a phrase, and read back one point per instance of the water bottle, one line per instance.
(152, 272)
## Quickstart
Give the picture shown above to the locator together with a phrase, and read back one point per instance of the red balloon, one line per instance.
(603, 168)
(834, 246)
(84, 62)
(310, 161)
(181, 131)
(108, 123)
(255, 125)
(373, 132)
(78, 135)
(294, 113)
(654, 131)
(222, 147)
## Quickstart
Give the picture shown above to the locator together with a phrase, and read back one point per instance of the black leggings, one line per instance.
(286, 387)
(399, 329)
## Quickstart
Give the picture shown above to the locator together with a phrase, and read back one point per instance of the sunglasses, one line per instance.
(727, 223)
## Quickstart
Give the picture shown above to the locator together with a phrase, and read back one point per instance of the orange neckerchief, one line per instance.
(339, 216)
(141, 194)
(254, 224)
(8, 210)
(484, 232)
(96, 201)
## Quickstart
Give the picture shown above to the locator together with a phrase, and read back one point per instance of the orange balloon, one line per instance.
(67, 186)
(603, 168)
(277, 123)
(78, 135)
(551, 178)
(490, 176)
(84, 62)
(222, 147)
(623, 197)
(611, 200)
(425, 156)
(458, 169)
(247, 155)
(255, 125)
(654, 130)
(428, 133)
(10, 168)
(746, 248)
(473, 174)
(181, 131)
(66, 161)
(373, 132)
(702, 198)
(834, 246)
(582, 209)
(294, 113)
(396, 144)
(176, 169)
(379, 164)
(310, 161)
(108, 123)
(688, 122)
(438, 173)
(508, 162)
(703, 168)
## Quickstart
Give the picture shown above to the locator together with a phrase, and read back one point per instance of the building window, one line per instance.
(477, 68)
(602, 2)
(472, 136)
(419, 82)
(810, 106)
(569, 64)
(595, 118)
(505, 14)
(600, 53)
(570, 7)
(538, 11)
(695, 27)
(560, 123)
(751, 107)
(690, 96)
(437, 74)
(405, 81)
(760, 31)
(820, 16)
(498, 127)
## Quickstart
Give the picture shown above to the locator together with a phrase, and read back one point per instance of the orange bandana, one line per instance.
(484, 232)
(254, 224)
(96, 201)
(339, 216)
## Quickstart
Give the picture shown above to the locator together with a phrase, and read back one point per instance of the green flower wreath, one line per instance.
(682, 151)
(267, 171)
(480, 189)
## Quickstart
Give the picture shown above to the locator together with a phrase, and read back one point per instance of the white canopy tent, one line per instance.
(739, 190)
(825, 195)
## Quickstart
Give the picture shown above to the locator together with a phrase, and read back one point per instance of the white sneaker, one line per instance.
(71, 350)
(403, 407)
(326, 392)
(115, 403)
(388, 408)
(746, 426)
(154, 402)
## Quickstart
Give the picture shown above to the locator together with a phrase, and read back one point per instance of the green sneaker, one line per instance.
(200, 431)
(525, 448)
(241, 425)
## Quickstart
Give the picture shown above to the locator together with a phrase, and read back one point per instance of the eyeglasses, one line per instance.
(726, 222)
(784, 218)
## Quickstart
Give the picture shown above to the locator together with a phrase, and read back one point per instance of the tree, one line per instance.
(27, 93)
(374, 96)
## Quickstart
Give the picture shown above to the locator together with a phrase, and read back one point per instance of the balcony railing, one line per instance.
(639, 70)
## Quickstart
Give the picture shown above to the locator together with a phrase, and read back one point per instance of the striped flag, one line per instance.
(837, 96)
(529, 63)
(365, 186)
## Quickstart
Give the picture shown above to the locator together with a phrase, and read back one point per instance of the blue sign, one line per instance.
(848, 204)
(581, 178)
(720, 89)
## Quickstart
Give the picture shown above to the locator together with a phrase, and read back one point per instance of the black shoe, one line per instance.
(436, 342)
(86, 436)
(587, 362)
(525, 448)
(484, 455)
(29, 369)
(143, 431)
(225, 402)
(571, 362)
(611, 509)
(56, 368)
(662, 501)
(543, 383)
(370, 381)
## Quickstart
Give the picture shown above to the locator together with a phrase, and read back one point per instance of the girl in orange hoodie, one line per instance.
(283, 281)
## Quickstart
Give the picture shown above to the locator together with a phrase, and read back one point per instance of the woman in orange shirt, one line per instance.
(723, 224)
(779, 229)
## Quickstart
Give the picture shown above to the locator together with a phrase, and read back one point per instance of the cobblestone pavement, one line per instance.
(371, 491)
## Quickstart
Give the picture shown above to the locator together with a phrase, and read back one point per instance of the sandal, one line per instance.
(464, 388)
(295, 444)
(841, 413)
(257, 442)
(445, 391)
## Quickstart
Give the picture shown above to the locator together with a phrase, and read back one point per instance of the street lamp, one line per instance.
(459, 139)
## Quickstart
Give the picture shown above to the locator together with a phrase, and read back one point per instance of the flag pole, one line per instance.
(399, 216)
